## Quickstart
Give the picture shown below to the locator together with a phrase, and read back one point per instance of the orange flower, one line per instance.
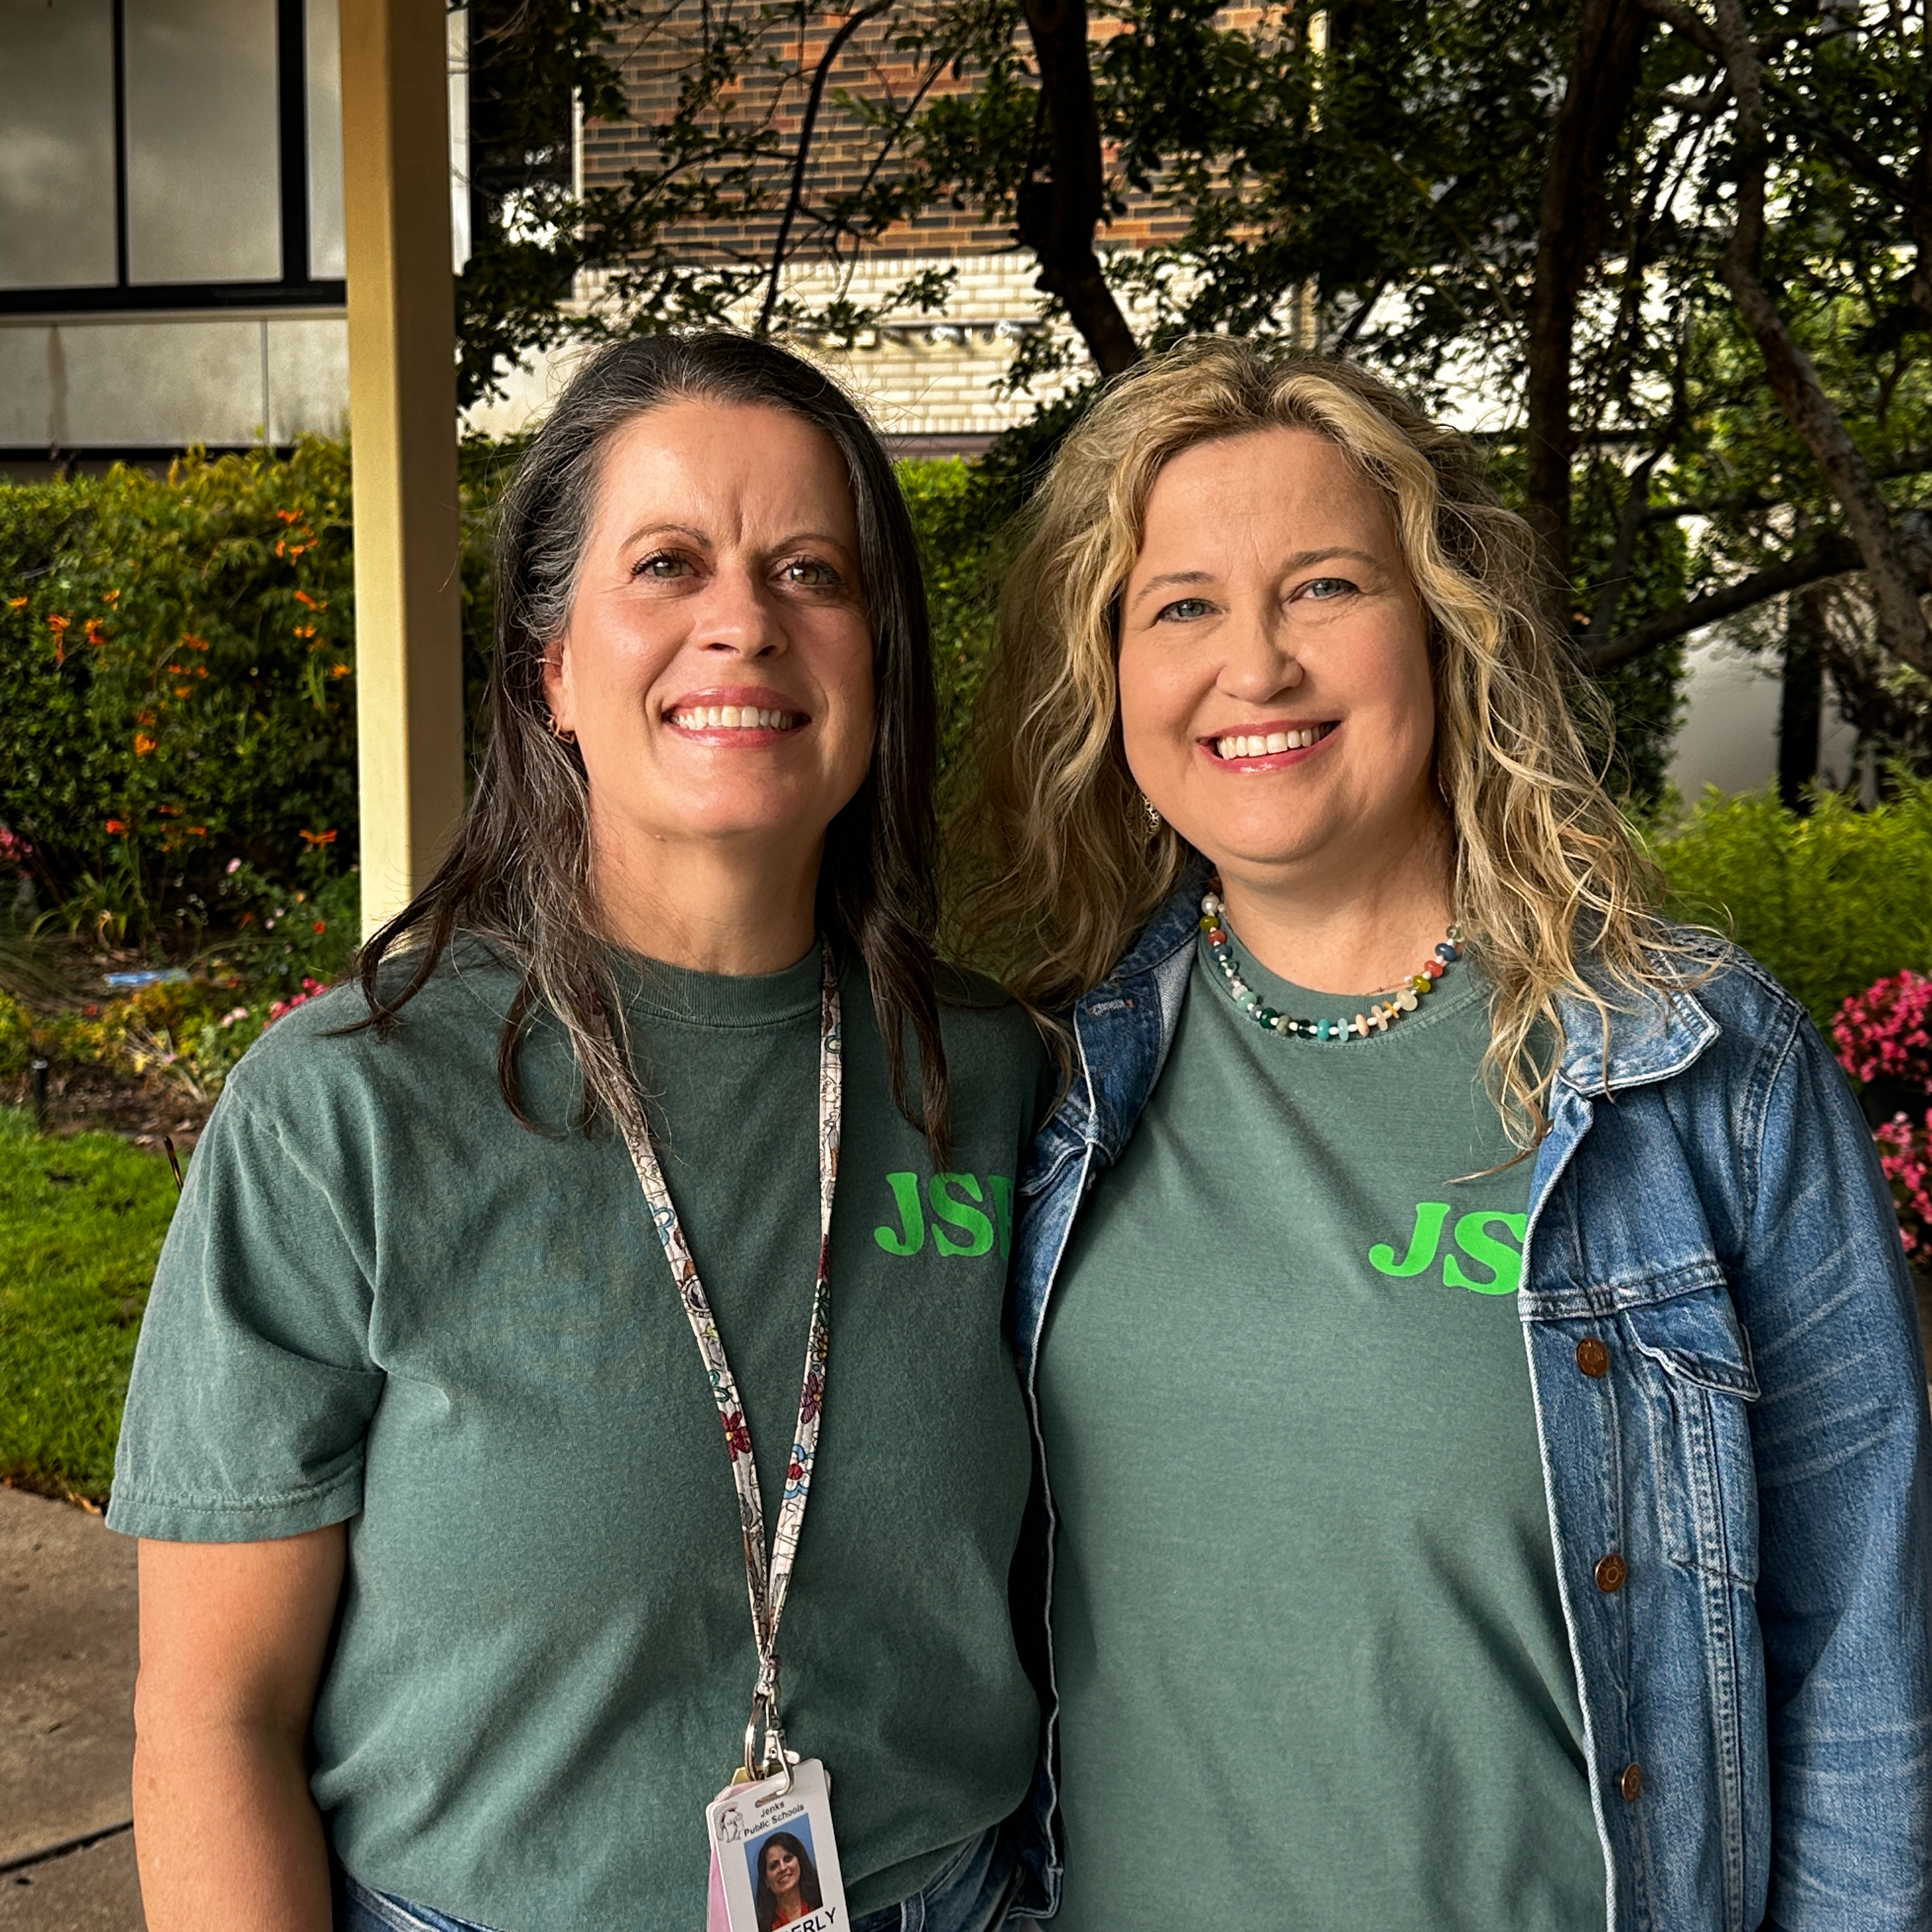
(143, 744)
(197, 831)
(305, 630)
(116, 826)
(110, 598)
(319, 838)
(182, 690)
(96, 635)
(290, 516)
(338, 670)
(193, 643)
(313, 603)
(322, 925)
(16, 603)
(58, 624)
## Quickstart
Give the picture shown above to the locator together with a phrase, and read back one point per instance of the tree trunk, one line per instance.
(1057, 217)
(1801, 704)
(1895, 585)
(1569, 239)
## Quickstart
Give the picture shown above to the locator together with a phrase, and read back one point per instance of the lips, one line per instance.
(1267, 740)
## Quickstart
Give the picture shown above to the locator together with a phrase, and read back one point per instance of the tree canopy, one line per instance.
(1672, 254)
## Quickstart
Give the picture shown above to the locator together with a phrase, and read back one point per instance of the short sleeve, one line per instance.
(253, 1386)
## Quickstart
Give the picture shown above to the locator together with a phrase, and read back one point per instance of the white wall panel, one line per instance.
(308, 377)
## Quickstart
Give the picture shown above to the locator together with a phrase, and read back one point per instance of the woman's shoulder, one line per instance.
(330, 1043)
(976, 1010)
(1700, 1007)
(1734, 988)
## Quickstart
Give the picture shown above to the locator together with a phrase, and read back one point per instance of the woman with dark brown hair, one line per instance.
(787, 1882)
(444, 1576)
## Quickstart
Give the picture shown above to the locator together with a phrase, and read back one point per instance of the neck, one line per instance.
(1345, 929)
(711, 907)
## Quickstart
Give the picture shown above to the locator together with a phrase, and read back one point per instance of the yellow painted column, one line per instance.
(402, 421)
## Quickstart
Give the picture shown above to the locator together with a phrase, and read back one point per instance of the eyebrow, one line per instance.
(1300, 560)
(704, 537)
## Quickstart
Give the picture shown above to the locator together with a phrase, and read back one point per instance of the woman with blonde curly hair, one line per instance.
(1484, 1429)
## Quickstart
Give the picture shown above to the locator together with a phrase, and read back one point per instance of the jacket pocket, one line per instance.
(1696, 1384)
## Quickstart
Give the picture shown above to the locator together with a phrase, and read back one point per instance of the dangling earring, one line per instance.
(557, 732)
(1154, 820)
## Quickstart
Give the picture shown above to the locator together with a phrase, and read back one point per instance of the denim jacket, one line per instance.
(1708, 1216)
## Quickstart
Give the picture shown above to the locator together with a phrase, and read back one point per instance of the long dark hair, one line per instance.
(810, 1895)
(518, 872)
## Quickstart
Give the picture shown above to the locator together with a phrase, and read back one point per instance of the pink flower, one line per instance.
(1885, 1032)
(1905, 1152)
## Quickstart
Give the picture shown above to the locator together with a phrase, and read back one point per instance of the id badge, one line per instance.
(774, 1861)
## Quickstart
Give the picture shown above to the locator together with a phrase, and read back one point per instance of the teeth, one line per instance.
(1252, 745)
(733, 717)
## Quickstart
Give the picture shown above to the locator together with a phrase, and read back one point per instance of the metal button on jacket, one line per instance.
(1631, 1783)
(1610, 1572)
(1592, 1357)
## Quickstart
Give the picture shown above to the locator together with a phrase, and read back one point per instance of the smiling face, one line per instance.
(782, 1871)
(717, 669)
(1276, 699)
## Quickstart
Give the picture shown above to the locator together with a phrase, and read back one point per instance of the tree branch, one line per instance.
(1056, 218)
(1832, 557)
(1685, 20)
(834, 48)
(1794, 381)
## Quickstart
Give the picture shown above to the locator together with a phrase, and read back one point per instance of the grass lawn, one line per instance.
(81, 1224)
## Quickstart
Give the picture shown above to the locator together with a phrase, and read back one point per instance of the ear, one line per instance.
(559, 685)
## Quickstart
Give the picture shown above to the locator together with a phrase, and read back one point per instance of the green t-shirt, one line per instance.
(384, 1301)
(1309, 1643)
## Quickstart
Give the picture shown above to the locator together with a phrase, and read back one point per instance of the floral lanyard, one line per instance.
(765, 1578)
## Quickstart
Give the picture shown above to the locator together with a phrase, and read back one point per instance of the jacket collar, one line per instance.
(1654, 1035)
(1171, 928)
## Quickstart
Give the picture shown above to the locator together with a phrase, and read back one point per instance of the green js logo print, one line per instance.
(961, 1224)
(1472, 1236)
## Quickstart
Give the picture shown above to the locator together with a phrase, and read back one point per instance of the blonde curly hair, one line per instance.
(1056, 871)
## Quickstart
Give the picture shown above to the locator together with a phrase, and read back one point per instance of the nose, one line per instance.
(1258, 665)
(736, 616)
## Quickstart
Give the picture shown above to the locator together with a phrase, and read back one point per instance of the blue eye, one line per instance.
(1323, 588)
(1182, 611)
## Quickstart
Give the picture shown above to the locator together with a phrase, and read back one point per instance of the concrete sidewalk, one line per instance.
(67, 1653)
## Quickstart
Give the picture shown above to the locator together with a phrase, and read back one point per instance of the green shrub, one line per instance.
(1828, 902)
(16, 1037)
(955, 547)
(176, 667)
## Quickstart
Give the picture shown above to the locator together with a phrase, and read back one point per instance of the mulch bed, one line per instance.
(81, 1099)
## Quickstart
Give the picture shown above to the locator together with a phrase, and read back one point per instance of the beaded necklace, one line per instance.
(1384, 1011)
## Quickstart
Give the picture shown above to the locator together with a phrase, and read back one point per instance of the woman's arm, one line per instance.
(232, 1640)
(1844, 1469)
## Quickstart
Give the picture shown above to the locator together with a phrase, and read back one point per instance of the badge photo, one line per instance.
(774, 1861)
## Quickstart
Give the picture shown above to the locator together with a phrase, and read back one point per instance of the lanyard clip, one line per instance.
(772, 1760)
